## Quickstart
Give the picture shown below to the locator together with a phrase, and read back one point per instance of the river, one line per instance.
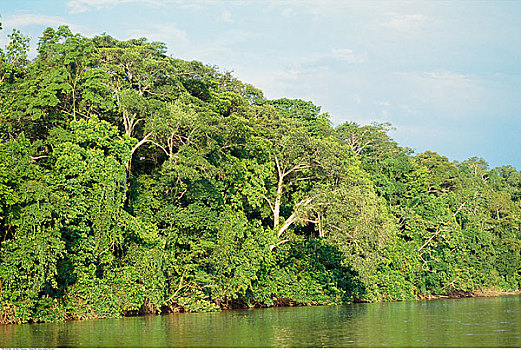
(471, 322)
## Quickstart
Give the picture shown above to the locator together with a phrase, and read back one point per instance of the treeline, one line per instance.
(132, 182)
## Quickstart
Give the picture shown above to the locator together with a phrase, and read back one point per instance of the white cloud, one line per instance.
(405, 23)
(407, 109)
(289, 12)
(80, 6)
(348, 55)
(166, 33)
(221, 49)
(449, 94)
(445, 83)
(323, 7)
(226, 16)
(290, 74)
(30, 19)
(24, 20)
(451, 78)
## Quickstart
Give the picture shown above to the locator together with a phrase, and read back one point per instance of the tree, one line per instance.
(306, 112)
(371, 141)
(13, 59)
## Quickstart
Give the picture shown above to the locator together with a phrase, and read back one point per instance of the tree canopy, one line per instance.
(132, 182)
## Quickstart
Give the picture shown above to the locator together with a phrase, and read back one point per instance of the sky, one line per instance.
(445, 74)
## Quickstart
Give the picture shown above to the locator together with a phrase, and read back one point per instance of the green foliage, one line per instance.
(305, 111)
(13, 60)
(132, 183)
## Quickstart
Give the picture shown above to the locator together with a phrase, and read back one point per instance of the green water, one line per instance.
(475, 322)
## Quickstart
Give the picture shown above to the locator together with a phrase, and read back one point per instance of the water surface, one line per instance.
(472, 322)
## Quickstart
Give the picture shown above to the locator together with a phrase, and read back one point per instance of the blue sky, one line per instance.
(446, 74)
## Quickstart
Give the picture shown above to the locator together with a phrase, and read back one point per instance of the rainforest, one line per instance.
(132, 183)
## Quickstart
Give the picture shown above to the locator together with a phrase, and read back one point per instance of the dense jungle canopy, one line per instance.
(132, 182)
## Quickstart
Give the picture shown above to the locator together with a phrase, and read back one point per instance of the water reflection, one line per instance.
(477, 322)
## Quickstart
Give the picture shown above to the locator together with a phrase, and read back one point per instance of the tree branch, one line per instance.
(430, 239)
(270, 204)
(140, 143)
(273, 246)
(299, 166)
(293, 216)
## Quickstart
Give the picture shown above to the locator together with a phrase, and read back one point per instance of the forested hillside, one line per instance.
(132, 182)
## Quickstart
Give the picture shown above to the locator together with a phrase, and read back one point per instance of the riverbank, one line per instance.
(282, 302)
(287, 302)
(464, 294)
(473, 322)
